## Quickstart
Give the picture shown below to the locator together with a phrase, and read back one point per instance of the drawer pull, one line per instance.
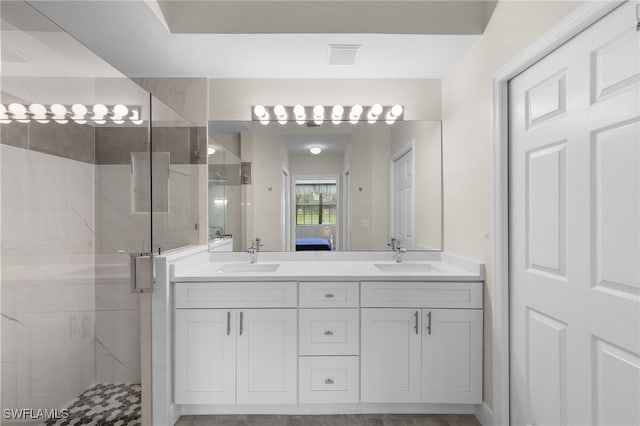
(241, 322)
(228, 322)
(329, 296)
(417, 328)
(328, 381)
(429, 322)
(328, 333)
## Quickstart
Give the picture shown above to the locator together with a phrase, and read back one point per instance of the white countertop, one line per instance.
(328, 270)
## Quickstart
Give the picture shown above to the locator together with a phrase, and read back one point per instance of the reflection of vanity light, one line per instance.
(219, 201)
(315, 115)
(393, 114)
(318, 114)
(211, 150)
(374, 113)
(336, 114)
(300, 114)
(356, 112)
(280, 113)
(261, 113)
(315, 150)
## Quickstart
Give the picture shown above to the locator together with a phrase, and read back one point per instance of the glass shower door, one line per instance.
(76, 201)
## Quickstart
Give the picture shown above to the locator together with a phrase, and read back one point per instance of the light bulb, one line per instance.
(211, 150)
(120, 111)
(396, 110)
(17, 109)
(315, 150)
(58, 110)
(99, 111)
(374, 113)
(390, 118)
(39, 111)
(279, 111)
(298, 111)
(336, 114)
(79, 110)
(260, 111)
(356, 112)
(318, 114)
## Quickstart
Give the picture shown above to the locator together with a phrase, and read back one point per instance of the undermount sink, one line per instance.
(406, 267)
(249, 267)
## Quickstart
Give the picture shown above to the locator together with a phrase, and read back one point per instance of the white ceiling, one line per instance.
(130, 36)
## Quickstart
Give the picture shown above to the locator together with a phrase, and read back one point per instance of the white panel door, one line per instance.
(205, 356)
(575, 230)
(452, 356)
(267, 356)
(402, 201)
(390, 355)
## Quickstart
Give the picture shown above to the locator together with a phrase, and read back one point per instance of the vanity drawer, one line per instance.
(326, 379)
(329, 294)
(405, 294)
(267, 294)
(329, 332)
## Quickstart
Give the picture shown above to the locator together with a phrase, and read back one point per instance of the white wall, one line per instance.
(232, 99)
(428, 177)
(267, 186)
(367, 157)
(467, 137)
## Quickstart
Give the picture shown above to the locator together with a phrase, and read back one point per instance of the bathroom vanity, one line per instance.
(327, 333)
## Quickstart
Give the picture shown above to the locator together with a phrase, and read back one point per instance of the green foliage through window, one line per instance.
(316, 204)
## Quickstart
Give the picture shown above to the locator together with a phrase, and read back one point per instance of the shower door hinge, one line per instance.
(142, 272)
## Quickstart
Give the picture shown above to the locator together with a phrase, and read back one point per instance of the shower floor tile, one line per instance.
(104, 405)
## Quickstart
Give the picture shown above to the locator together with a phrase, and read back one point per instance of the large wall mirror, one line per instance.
(367, 185)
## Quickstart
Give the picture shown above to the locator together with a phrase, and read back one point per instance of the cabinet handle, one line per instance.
(416, 326)
(228, 322)
(429, 322)
(328, 333)
(328, 381)
(241, 322)
(329, 296)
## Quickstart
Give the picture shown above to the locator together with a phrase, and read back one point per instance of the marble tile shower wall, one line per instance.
(68, 318)
(48, 249)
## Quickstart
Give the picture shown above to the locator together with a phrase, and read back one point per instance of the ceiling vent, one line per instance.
(343, 54)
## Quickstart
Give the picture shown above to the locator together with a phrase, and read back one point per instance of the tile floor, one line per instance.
(104, 405)
(333, 420)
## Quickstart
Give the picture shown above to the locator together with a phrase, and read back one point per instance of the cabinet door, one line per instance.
(267, 356)
(390, 355)
(205, 356)
(452, 356)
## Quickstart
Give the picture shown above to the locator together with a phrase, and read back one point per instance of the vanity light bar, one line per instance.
(317, 114)
(61, 114)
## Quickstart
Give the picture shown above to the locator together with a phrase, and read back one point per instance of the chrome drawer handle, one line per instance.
(329, 296)
(328, 333)
(328, 381)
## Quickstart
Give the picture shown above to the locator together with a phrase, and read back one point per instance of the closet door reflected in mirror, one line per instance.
(265, 182)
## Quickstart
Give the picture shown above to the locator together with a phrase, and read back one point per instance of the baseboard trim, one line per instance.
(319, 409)
(484, 414)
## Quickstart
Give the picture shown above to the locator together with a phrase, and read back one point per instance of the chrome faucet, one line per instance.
(398, 253)
(254, 249)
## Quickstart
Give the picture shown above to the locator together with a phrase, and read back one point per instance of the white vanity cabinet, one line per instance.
(236, 355)
(329, 342)
(421, 342)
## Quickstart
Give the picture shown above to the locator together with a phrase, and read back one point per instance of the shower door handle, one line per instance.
(142, 272)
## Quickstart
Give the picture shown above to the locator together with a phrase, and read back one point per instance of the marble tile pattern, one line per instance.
(48, 295)
(104, 405)
(333, 420)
